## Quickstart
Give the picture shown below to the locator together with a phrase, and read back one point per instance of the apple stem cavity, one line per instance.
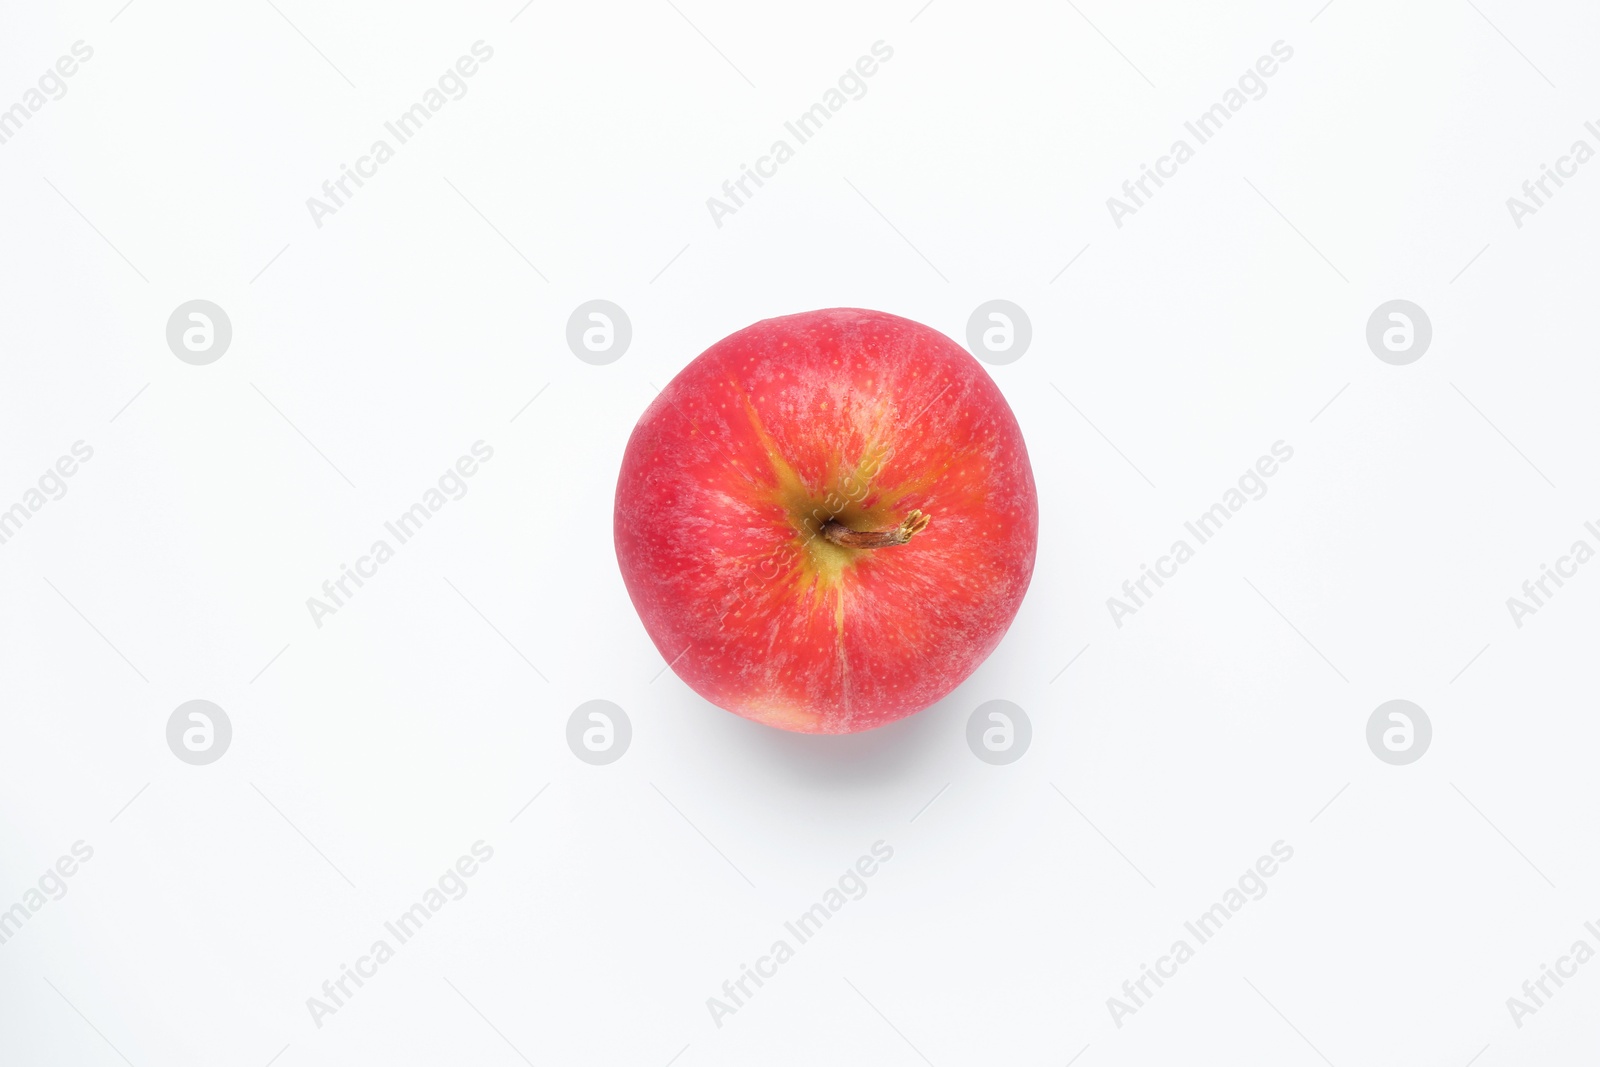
(840, 534)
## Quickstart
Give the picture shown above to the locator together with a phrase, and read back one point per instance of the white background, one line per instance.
(369, 754)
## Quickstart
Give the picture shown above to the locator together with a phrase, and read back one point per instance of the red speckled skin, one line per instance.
(840, 413)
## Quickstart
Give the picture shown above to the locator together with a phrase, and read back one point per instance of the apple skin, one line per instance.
(853, 415)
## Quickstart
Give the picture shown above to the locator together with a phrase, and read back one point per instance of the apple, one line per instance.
(827, 521)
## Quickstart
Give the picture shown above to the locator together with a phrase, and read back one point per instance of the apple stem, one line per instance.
(840, 534)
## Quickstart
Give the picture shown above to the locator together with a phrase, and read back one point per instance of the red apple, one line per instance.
(827, 521)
